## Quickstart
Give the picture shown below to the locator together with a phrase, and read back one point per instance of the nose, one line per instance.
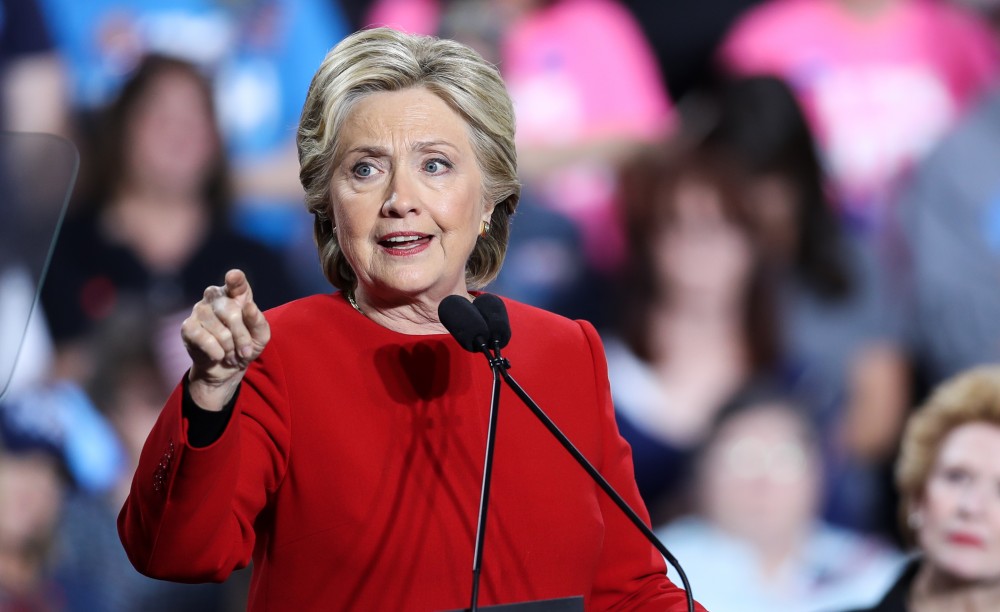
(972, 500)
(402, 196)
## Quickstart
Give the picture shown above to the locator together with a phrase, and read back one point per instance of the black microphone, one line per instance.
(494, 311)
(467, 325)
(464, 322)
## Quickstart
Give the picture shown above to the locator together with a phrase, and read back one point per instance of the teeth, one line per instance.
(402, 238)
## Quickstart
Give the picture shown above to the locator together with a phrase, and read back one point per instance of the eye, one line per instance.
(955, 475)
(436, 166)
(363, 170)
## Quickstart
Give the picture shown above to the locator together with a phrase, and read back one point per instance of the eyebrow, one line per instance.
(420, 145)
(430, 144)
(372, 150)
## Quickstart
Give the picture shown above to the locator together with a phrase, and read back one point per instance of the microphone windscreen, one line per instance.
(494, 311)
(464, 322)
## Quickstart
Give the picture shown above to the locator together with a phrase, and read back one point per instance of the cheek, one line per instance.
(939, 504)
(676, 254)
(351, 214)
(462, 220)
(720, 495)
(733, 251)
(934, 512)
(462, 210)
(142, 148)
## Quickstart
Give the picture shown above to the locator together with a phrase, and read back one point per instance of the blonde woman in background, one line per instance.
(948, 475)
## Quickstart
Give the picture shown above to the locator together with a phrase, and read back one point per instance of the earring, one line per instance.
(484, 228)
(915, 520)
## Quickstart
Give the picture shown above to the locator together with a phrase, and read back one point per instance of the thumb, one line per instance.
(237, 287)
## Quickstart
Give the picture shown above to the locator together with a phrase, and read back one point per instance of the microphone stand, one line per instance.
(503, 366)
(497, 364)
(470, 323)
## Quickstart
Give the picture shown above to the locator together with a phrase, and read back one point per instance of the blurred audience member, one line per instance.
(52, 440)
(128, 387)
(950, 223)
(697, 319)
(842, 331)
(33, 88)
(948, 476)
(158, 232)
(586, 91)
(543, 266)
(757, 542)
(60, 418)
(259, 54)
(30, 503)
(877, 83)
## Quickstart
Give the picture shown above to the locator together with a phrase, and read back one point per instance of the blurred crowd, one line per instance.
(782, 215)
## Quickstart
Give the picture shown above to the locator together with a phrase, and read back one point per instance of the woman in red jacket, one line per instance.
(338, 441)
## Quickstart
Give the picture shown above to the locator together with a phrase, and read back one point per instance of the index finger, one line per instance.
(256, 324)
(250, 330)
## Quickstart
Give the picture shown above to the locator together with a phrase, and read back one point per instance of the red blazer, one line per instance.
(350, 474)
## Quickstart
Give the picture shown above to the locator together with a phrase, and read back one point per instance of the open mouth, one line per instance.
(404, 242)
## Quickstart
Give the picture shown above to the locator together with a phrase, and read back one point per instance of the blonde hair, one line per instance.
(969, 397)
(382, 59)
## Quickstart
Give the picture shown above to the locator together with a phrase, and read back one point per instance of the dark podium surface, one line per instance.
(563, 604)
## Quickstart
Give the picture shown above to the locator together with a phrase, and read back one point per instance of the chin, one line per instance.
(969, 566)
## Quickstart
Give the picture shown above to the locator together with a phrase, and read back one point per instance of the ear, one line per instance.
(331, 218)
(488, 208)
(915, 512)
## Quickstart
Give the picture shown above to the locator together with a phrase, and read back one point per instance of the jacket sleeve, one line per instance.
(632, 573)
(190, 512)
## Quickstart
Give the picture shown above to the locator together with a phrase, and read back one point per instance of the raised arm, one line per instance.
(191, 512)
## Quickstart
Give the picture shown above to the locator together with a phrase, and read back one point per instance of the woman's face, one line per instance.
(960, 512)
(700, 250)
(407, 196)
(172, 142)
(759, 477)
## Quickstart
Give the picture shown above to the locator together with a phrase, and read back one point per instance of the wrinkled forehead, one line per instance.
(406, 118)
